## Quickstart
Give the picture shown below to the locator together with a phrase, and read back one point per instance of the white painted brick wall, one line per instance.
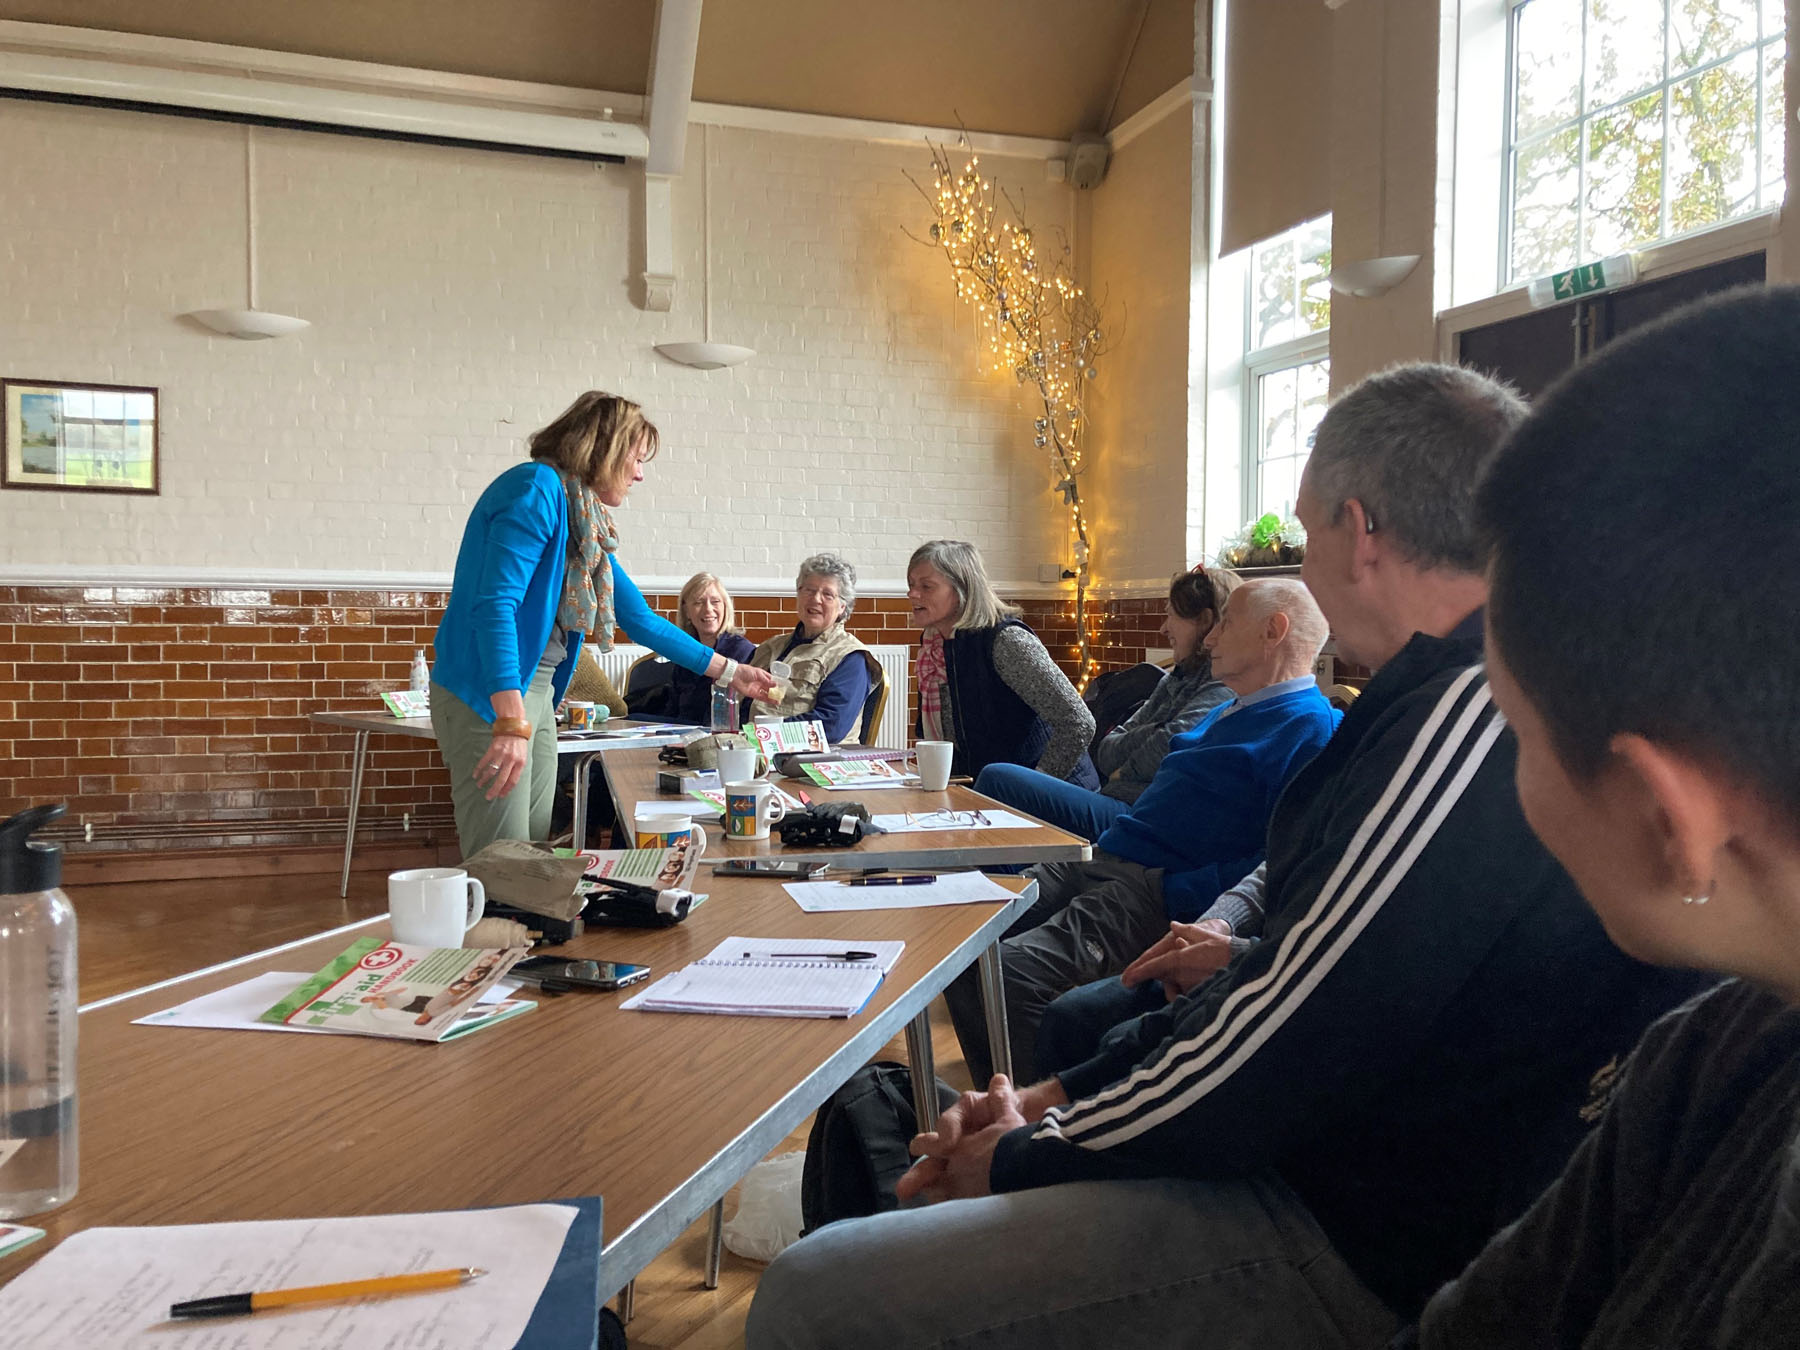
(459, 300)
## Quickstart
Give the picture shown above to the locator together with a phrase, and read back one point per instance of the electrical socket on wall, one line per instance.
(1050, 572)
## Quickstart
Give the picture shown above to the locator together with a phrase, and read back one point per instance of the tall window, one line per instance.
(1287, 366)
(1638, 120)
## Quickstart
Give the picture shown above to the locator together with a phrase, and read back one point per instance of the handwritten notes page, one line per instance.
(113, 1286)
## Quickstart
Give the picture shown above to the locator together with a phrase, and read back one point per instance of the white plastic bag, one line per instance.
(768, 1213)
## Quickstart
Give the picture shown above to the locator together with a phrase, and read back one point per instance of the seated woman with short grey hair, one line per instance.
(830, 677)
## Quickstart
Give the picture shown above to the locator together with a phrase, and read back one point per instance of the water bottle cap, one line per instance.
(26, 865)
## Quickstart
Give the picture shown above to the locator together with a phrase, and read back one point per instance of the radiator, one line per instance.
(895, 658)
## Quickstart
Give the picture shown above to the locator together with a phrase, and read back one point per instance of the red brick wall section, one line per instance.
(178, 717)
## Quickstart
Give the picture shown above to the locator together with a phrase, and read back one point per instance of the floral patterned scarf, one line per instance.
(934, 673)
(587, 598)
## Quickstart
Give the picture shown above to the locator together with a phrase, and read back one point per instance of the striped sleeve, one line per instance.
(1261, 1055)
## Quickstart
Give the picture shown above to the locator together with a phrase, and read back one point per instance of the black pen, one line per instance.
(809, 956)
(909, 880)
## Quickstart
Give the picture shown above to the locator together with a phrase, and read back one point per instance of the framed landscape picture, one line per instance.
(79, 437)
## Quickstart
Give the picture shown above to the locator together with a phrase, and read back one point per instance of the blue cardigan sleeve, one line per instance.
(651, 629)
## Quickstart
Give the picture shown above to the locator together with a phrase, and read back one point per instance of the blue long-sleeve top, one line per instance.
(508, 585)
(1205, 816)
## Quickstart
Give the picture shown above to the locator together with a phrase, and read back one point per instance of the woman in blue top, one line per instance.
(535, 576)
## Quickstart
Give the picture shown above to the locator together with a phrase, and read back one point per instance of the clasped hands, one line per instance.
(959, 1152)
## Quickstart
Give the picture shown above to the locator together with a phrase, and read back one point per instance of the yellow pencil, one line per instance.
(235, 1305)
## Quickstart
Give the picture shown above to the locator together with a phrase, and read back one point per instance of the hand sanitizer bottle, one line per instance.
(38, 1004)
(421, 673)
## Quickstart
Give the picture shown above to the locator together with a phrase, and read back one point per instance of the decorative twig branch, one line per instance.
(1035, 323)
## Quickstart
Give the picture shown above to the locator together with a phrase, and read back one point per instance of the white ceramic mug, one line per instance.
(737, 765)
(934, 764)
(434, 906)
(659, 829)
(750, 808)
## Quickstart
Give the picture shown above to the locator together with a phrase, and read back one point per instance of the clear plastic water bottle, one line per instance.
(724, 710)
(38, 1005)
(421, 673)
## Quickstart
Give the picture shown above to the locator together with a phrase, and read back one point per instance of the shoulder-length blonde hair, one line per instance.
(960, 564)
(593, 439)
(695, 584)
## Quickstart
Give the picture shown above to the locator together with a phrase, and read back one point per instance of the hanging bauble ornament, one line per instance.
(1042, 424)
(1037, 358)
(1091, 373)
(1042, 441)
(936, 232)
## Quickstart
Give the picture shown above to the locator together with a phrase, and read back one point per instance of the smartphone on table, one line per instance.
(791, 870)
(556, 973)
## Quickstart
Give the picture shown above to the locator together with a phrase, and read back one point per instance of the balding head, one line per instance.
(1272, 630)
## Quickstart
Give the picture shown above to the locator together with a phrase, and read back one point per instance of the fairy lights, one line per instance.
(1032, 322)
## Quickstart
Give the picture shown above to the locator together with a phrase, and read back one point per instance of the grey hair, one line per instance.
(960, 564)
(1410, 444)
(1307, 628)
(831, 565)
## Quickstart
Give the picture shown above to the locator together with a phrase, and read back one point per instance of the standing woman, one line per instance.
(534, 576)
(706, 613)
(985, 681)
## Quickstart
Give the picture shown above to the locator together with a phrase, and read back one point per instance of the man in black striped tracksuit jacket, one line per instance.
(1299, 1151)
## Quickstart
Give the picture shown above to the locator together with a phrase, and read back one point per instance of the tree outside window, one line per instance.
(1634, 121)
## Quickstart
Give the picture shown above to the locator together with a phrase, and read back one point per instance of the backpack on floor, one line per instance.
(856, 1153)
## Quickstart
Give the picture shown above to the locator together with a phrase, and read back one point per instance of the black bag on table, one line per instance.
(856, 1153)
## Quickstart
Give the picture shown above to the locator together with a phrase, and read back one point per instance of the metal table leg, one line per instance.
(924, 1071)
(356, 776)
(583, 764)
(715, 1244)
(993, 1005)
(627, 1303)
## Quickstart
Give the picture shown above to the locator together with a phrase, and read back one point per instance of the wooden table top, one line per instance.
(419, 728)
(631, 777)
(658, 1113)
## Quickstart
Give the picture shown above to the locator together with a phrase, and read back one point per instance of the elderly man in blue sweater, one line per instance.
(1198, 829)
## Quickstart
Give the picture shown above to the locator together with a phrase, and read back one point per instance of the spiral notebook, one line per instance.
(774, 977)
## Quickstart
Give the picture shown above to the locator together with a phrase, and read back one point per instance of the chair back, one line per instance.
(643, 674)
(1341, 696)
(875, 705)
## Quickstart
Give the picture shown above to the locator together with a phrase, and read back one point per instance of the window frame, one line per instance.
(1305, 350)
(1584, 116)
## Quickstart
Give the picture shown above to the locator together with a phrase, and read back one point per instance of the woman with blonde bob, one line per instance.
(534, 578)
(705, 611)
(985, 681)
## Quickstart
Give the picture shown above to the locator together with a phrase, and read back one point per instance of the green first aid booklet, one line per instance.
(377, 988)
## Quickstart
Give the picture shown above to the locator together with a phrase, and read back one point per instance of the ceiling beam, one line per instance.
(673, 49)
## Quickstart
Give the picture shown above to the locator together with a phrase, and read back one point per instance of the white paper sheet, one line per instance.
(238, 1007)
(735, 948)
(112, 1287)
(951, 888)
(925, 822)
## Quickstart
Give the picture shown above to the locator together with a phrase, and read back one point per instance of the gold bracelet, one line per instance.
(512, 726)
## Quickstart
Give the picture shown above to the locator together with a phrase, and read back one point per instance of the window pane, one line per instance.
(1712, 145)
(1290, 404)
(1272, 301)
(1774, 170)
(1545, 183)
(1704, 30)
(1624, 192)
(1314, 247)
(1622, 57)
(1547, 59)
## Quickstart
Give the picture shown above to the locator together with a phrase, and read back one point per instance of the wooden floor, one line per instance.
(135, 934)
